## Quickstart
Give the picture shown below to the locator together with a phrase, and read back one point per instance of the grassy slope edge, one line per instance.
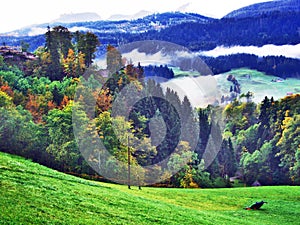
(34, 194)
(259, 83)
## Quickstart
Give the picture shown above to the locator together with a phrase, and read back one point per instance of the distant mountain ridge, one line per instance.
(275, 22)
(255, 10)
(77, 17)
(114, 25)
(137, 15)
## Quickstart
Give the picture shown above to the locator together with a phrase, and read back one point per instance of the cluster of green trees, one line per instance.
(64, 54)
(266, 139)
(274, 65)
(160, 71)
(261, 142)
(37, 98)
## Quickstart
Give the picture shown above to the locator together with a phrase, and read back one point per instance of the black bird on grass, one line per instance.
(255, 205)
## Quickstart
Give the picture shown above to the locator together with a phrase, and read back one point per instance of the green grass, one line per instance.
(34, 194)
(259, 83)
(179, 73)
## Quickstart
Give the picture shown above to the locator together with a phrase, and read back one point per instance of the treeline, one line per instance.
(275, 28)
(256, 142)
(274, 65)
(266, 139)
(159, 71)
(36, 118)
(259, 142)
(279, 28)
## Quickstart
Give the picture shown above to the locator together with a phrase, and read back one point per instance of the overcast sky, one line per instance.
(15, 14)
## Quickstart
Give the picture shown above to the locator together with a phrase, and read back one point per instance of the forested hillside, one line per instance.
(273, 65)
(267, 23)
(275, 23)
(257, 142)
(264, 8)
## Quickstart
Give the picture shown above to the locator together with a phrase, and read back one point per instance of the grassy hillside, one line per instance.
(33, 194)
(259, 83)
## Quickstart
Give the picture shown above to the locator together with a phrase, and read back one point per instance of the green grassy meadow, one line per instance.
(259, 83)
(34, 194)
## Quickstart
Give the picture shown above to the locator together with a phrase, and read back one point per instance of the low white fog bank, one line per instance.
(290, 51)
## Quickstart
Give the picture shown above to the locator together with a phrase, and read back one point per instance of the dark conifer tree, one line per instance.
(204, 130)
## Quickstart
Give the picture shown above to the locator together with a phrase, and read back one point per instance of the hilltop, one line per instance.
(139, 23)
(265, 8)
(277, 24)
(34, 194)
